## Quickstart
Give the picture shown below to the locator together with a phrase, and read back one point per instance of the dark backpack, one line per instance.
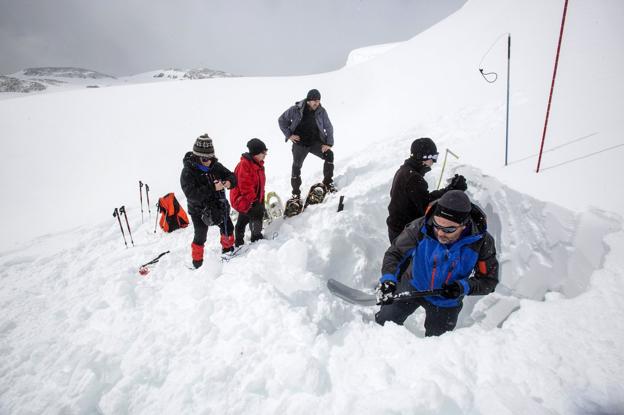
(172, 215)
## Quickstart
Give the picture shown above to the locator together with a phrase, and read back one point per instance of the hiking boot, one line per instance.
(198, 264)
(330, 187)
(255, 238)
(227, 250)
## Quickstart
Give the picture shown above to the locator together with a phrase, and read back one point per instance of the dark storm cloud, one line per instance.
(247, 37)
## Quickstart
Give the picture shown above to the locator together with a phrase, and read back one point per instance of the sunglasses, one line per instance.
(445, 229)
(205, 159)
(433, 157)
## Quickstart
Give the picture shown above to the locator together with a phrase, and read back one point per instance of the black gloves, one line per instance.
(452, 290)
(388, 287)
(458, 182)
(385, 291)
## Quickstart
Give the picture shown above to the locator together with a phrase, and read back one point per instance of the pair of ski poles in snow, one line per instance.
(117, 214)
(141, 197)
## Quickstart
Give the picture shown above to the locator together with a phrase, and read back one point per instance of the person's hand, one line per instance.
(324, 148)
(227, 184)
(452, 290)
(385, 291)
(218, 185)
(458, 182)
(294, 138)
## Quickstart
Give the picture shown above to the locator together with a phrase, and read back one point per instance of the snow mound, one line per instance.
(362, 55)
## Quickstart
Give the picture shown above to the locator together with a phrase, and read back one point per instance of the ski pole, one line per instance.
(141, 197)
(116, 215)
(148, 202)
(157, 212)
(123, 210)
(144, 270)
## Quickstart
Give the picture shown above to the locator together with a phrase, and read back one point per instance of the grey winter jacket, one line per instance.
(291, 118)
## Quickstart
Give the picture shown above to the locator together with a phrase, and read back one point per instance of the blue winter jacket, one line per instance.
(417, 257)
(291, 118)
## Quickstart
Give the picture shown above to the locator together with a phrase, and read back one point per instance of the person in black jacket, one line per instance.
(409, 195)
(307, 125)
(203, 181)
(449, 249)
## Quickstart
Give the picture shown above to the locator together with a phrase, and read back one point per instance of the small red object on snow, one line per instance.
(144, 271)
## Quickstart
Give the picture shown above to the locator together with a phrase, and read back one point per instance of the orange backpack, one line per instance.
(172, 215)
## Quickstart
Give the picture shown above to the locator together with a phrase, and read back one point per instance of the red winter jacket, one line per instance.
(250, 183)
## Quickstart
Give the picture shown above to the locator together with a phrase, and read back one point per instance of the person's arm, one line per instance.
(246, 189)
(223, 174)
(329, 129)
(398, 251)
(485, 277)
(194, 192)
(418, 194)
(284, 123)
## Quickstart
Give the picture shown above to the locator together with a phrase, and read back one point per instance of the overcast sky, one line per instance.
(244, 37)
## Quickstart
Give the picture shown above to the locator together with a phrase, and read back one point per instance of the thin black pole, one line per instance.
(123, 210)
(157, 211)
(141, 197)
(148, 202)
(507, 122)
(116, 215)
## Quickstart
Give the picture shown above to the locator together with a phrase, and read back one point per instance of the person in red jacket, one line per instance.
(248, 196)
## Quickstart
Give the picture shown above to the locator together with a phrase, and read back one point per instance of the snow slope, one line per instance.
(82, 332)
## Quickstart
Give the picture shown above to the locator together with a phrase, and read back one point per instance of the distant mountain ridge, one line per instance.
(33, 80)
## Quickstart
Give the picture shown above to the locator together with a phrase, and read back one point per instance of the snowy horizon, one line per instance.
(82, 332)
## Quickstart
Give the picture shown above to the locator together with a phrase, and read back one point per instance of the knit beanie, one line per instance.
(424, 149)
(313, 95)
(454, 205)
(203, 146)
(256, 146)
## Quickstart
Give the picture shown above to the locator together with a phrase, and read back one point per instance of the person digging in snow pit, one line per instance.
(307, 125)
(409, 194)
(439, 251)
(248, 197)
(203, 181)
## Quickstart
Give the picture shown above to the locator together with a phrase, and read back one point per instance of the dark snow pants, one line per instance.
(201, 231)
(254, 218)
(300, 152)
(438, 320)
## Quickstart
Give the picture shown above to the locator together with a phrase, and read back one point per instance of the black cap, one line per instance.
(256, 146)
(424, 149)
(313, 95)
(454, 205)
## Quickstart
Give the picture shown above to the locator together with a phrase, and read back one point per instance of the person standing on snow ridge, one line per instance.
(409, 195)
(203, 181)
(248, 197)
(307, 125)
(439, 250)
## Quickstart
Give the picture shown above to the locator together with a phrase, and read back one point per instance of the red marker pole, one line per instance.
(552, 85)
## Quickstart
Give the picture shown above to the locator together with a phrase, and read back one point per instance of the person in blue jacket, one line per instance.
(450, 249)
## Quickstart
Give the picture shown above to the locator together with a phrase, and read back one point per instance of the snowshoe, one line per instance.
(273, 207)
(316, 195)
(293, 207)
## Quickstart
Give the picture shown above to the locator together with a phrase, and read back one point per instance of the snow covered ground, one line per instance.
(82, 332)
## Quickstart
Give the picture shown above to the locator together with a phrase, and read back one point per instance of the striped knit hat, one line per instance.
(203, 146)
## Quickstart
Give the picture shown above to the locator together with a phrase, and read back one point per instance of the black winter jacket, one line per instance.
(409, 195)
(198, 186)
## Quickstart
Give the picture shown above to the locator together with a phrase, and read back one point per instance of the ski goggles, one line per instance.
(433, 157)
(445, 229)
